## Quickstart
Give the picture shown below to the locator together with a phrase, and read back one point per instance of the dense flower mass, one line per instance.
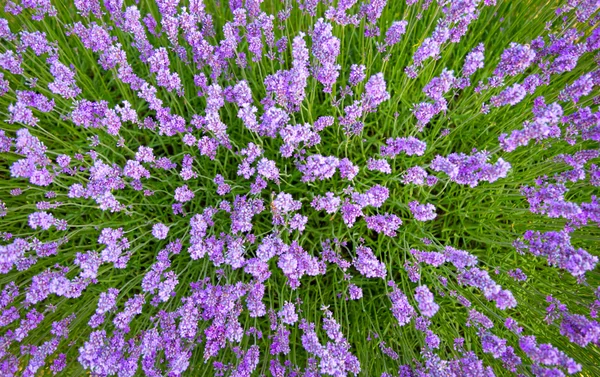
(299, 188)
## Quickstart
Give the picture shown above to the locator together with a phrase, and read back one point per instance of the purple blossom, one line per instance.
(379, 165)
(432, 258)
(347, 169)
(144, 154)
(543, 126)
(367, 263)
(298, 222)
(107, 301)
(546, 354)
(329, 203)
(459, 258)
(395, 32)
(375, 196)
(375, 93)
(509, 96)
(438, 86)
(325, 49)
(422, 212)
(514, 60)
(386, 224)
(288, 314)
(415, 175)
(64, 83)
(478, 319)
(493, 345)
(410, 145)
(42, 220)
(183, 194)
(579, 88)
(357, 74)
(283, 205)
(318, 167)
(493, 292)
(355, 292)
(11, 62)
(470, 169)
(424, 298)
(401, 308)
(556, 246)
(579, 329)
(473, 60)
(160, 231)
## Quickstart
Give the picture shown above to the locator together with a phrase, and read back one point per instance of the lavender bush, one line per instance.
(299, 188)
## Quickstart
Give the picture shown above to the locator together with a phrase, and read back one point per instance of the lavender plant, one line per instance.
(299, 188)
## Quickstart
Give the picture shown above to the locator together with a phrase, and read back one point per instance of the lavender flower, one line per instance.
(401, 308)
(470, 170)
(386, 224)
(411, 146)
(106, 151)
(183, 194)
(395, 32)
(422, 212)
(425, 299)
(379, 165)
(160, 231)
(367, 264)
(357, 74)
(514, 60)
(288, 314)
(375, 93)
(473, 60)
(325, 49)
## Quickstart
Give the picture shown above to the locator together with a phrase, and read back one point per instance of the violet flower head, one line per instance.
(473, 60)
(325, 49)
(228, 129)
(386, 224)
(424, 298)
(183, 194)
(514, 60)
(401, 308)
(357, 74)
(394, 32)
(375, 93)
(422, 212)
(160, 231)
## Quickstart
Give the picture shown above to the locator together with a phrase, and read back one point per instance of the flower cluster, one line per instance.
(299, 188)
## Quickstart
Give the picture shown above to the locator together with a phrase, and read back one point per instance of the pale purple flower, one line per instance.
(410, 145)
(422, 212)
(357, 74)
(379, 165)
(329, 203)
(355, 292)
(424, 297)
(160, 231)
(395, 32)
(288, 314)
(42, 220)
(415, 175)
(325, 49)
(183, 194)
(514, 60)
(375, 93)
(386, 224)
(298, 222)
(367, 263)
(401, 308)
(474, 60)
(440, 85)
